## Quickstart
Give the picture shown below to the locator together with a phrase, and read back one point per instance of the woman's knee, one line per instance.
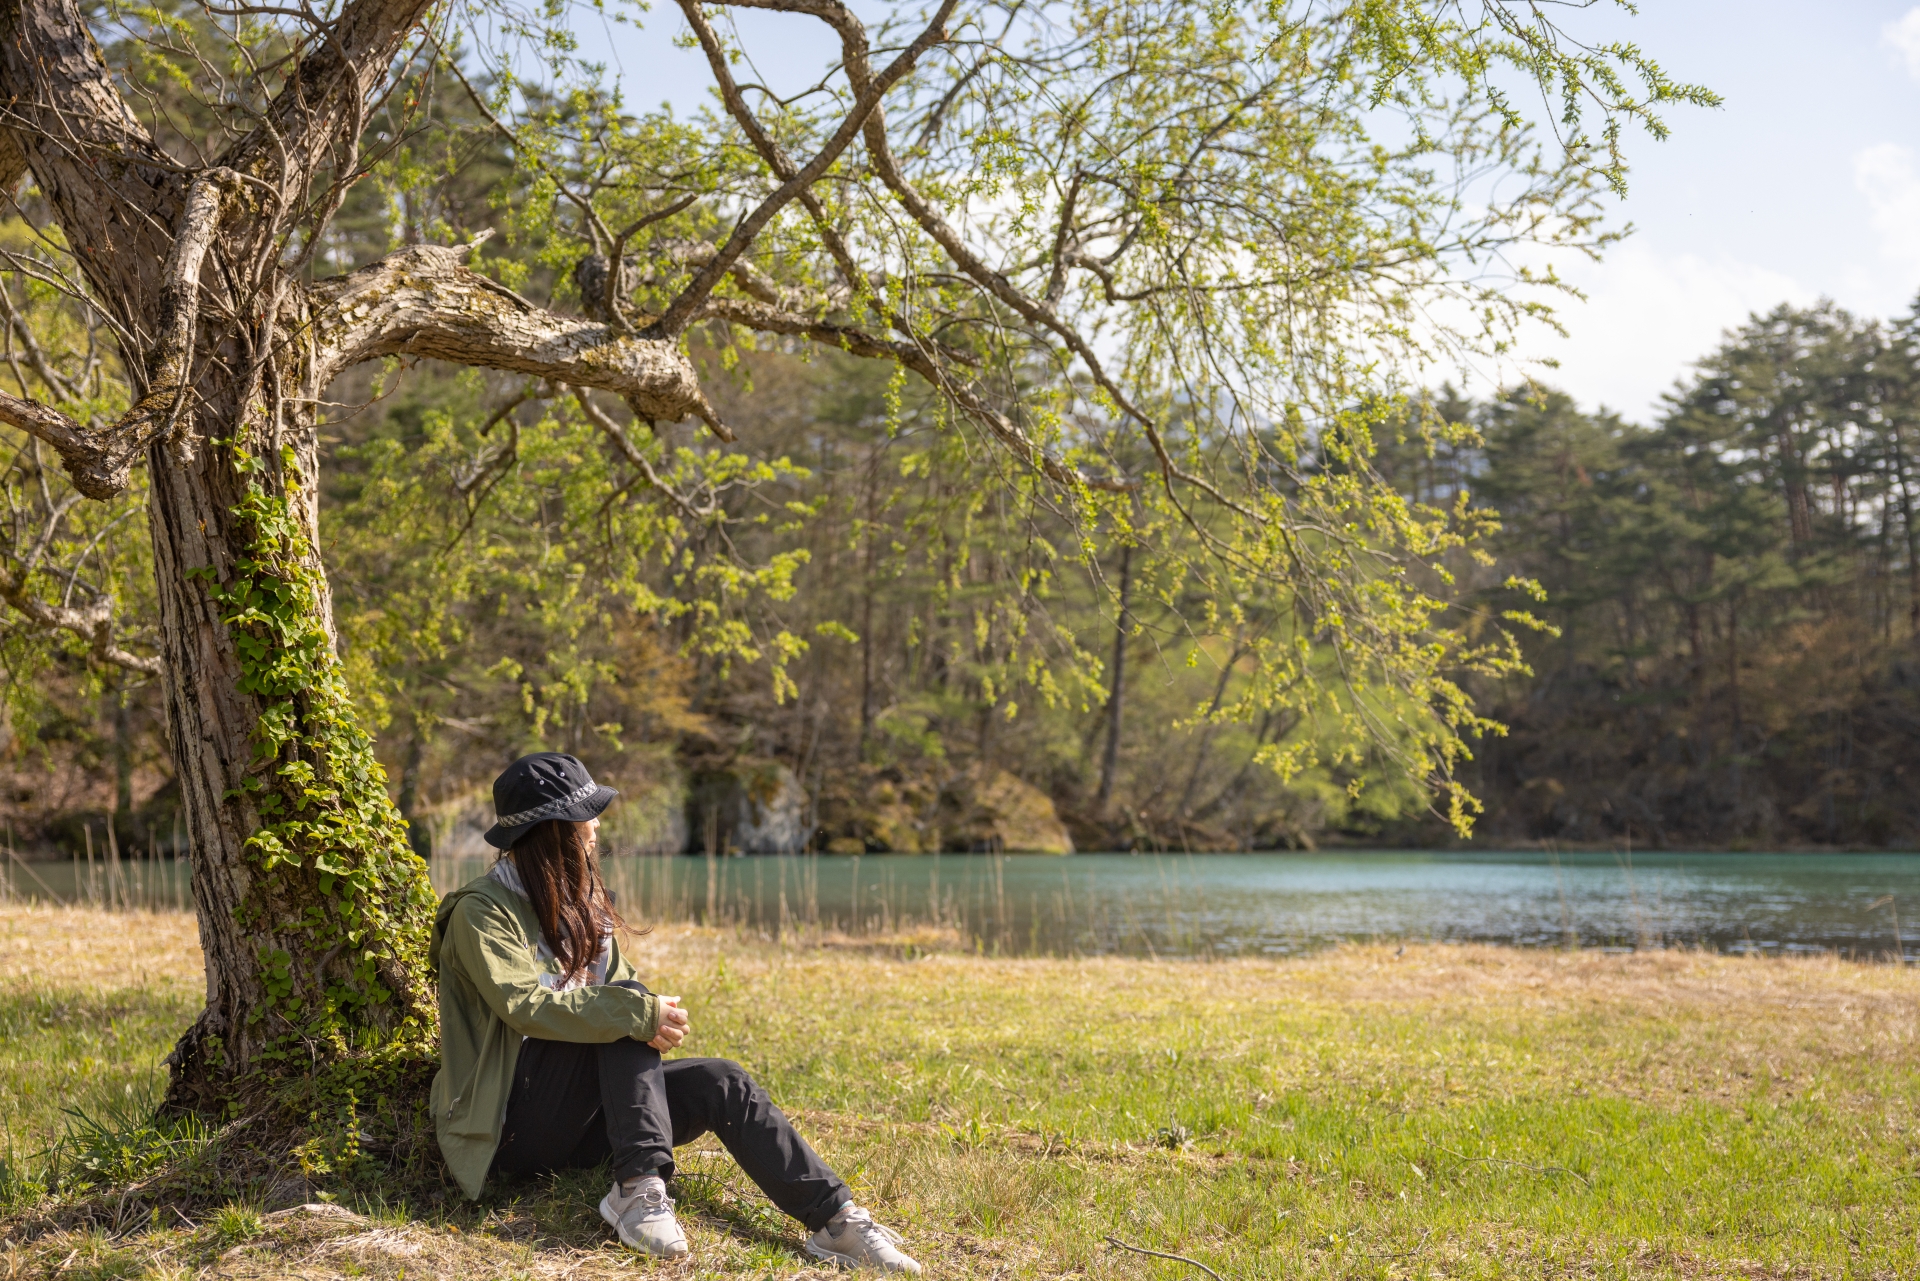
(708, 1095)
(726, 1083)
(626, 1058)
(726, 1074)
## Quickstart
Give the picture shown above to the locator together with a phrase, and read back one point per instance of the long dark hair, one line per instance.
(560, 870)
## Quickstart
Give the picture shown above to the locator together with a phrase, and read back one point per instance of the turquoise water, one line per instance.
(1227, 904)
(1230, 904)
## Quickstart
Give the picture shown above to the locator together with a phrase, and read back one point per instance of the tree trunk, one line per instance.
(313, 909)
(314, 912)
(1116, 699)
(1903, 487)
(1793, 477)
(866, 642)
(417, 834)
(122, 761)
(1733, 702)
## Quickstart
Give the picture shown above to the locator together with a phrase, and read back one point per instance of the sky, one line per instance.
(1805, 184)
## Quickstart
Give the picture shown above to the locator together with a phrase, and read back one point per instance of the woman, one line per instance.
(551, 1050)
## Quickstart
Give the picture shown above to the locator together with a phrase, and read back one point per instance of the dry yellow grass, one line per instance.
(77, 946)
(84, 948)
(1704, 1023)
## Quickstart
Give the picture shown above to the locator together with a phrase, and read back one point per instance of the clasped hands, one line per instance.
(673, 1025)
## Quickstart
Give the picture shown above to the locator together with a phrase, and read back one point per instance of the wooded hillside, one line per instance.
(1737, 587)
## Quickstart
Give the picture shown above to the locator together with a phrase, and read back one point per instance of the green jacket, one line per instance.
(492, 998)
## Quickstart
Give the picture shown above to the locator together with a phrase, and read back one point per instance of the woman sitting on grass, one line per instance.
(551, 1050)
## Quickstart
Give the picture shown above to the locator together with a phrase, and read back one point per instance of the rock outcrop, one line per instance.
(986, 810)
(749, 808)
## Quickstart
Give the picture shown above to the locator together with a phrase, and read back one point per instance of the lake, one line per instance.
(1235, 904)
(1279, 904)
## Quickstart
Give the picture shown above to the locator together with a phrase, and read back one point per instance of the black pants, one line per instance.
(574, 1106)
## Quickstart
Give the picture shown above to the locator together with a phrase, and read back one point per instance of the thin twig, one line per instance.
(26, 867)
(1159, 1254)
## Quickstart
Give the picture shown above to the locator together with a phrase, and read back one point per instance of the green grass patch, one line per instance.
(77, 1066)
(1449, 1112)
(1271, 1124)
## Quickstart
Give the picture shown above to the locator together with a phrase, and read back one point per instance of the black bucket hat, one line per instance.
(542, 786)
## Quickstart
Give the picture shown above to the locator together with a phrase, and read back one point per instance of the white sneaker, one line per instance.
(854, 1240)
(642, 1213)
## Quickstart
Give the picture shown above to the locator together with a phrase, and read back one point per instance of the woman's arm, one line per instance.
(490, 949)
(673, 1015)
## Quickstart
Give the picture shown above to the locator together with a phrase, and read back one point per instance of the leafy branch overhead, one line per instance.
(1151, 255)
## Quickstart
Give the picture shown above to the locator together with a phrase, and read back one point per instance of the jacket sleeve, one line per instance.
(489, 947)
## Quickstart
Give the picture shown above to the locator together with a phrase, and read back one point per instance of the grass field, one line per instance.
(1373, 1112)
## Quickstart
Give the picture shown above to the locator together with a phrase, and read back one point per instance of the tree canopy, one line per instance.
(1171, 270)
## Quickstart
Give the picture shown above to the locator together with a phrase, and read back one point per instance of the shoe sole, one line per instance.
(613, 1221)
(848, 1261)
(844, 1260)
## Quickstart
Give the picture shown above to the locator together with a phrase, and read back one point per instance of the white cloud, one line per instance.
(1885, 174)
(1647, 318)
(1904, 37)
(1651, 312)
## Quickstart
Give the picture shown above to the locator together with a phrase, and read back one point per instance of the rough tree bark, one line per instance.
(123, 206)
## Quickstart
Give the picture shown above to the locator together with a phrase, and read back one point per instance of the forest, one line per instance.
(1729, 608)
(1380, 614)
(1091, 426)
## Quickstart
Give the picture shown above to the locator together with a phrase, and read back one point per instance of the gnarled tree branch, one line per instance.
(325, 95)
(99, 459)
(637, 460)
(171, 360)
(919, 358)
(679, 313)
(424, 301)
(115, 194)
(94, 623)
(1039, 312)
(13, 163)
(917, 353)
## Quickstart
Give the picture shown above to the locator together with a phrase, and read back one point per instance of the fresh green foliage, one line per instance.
(55, 547)
(1416, 44)
(441, 530)
(236, 1224)
(1171, 270)
(1268, 214)
(935, 621)
(330, 855)
(122, 1141)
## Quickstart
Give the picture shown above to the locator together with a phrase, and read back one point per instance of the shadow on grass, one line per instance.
(563, 1209)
